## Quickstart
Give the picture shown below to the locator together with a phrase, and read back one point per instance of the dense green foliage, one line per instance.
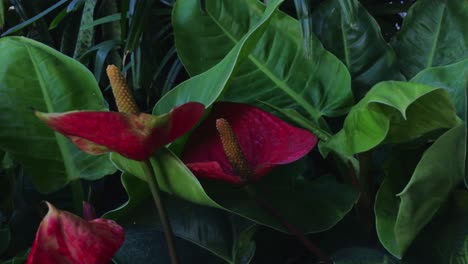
(386, 184)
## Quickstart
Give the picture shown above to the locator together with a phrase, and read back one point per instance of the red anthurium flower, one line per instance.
(239, 143)
(136, 136)
(64, 238)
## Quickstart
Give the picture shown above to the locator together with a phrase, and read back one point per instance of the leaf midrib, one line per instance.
(281, 84)
(70, 168)
(436, 38)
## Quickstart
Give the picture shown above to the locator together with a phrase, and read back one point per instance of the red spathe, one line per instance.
(266, 141)
(64, 238)
(134, 136)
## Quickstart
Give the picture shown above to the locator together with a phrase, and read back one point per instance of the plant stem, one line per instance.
(288, 225)
(77, 195)
(154, 187)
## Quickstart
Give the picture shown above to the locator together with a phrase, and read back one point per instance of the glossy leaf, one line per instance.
(445, 240)
(352, 34)
(434, 33)
(401, 218)
(452, 78)
(209, 228)
(173, 177)
(325, 199)
(34, 75)
(392, 112)
(208, 86)
(278, 70)
(317, 205)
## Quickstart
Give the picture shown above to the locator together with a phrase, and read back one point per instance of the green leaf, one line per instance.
(450, 77)
(361, 255)
(352, 34)
(392, 112)
(330, 200)
(35, 75)
(278, 70)
(445, 240)
(173, 176)
(209, 228)
(312, 206)
(34, 18)
(208, 86)
(434, 33)
(86, 35)
(400, 216)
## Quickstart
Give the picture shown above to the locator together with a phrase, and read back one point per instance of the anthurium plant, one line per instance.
(221, 131)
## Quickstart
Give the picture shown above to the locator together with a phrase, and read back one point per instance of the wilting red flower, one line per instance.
(136, 136)
(64, 238)
(265, 141)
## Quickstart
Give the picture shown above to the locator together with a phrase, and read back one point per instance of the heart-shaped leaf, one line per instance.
(208, 86)
(352, 34)
(278, 71)
(452, 78)
(35, 75)
(402, 214)
(434, 33)
(392, 112)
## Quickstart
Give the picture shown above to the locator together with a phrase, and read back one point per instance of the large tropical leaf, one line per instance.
(278, 71)
(352, 34)
(452, 78)
(445, 239)
(318, 205)
(392, 112)
(173, 176)
(34, 75)
(208, 86)
(402, 214)
(434, 33)
(209, 228)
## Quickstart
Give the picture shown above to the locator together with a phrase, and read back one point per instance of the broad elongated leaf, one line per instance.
(317, 205)
(400, 218)
(452, 78)
(434, 33)
(450, 231)
(352, 34)
(392, 112)
(34, 75)
(325, 201)
(209, 228)
(208, 86)
(278, 70)
(172, 176)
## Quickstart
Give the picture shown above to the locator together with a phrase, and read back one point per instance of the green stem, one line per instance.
(78, 197)
(155, 191)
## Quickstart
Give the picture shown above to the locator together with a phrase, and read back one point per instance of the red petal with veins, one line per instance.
(64, 238)
(265, 140)
(134, 136)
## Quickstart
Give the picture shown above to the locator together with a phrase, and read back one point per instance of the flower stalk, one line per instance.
(242, 168)
(126, 104)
